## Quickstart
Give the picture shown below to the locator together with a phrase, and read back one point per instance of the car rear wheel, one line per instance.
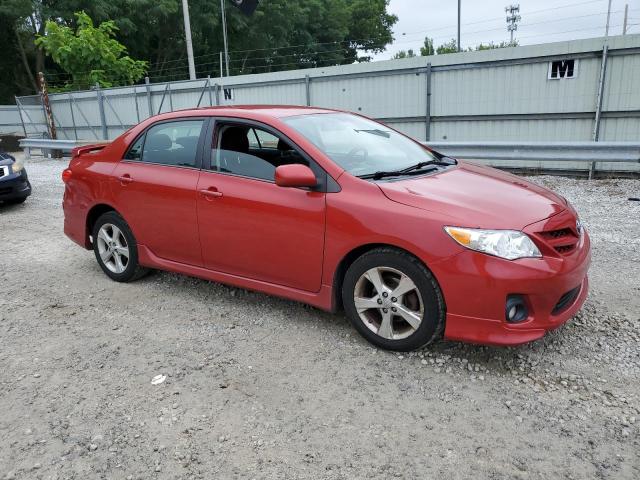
(116, 249)
(393, 300)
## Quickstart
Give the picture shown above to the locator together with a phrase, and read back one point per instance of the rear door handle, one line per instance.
(126, 178)
(211, 194)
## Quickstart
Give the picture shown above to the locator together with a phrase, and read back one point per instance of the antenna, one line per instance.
(512, 19)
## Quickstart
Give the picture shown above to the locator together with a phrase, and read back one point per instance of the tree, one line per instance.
(405, 54)
(281, 35)
(449, 47)
(90, 54)
(427, 49)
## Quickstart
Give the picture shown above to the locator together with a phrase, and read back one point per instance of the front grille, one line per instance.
(566, 301)
(4, 171)
(563, 240)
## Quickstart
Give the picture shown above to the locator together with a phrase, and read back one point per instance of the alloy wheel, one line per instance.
(388, 303)
(113, 248)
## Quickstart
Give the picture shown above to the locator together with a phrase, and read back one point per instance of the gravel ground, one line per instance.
(259, 387)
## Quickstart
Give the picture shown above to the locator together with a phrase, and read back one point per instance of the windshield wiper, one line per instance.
(395, 173)
(443, 161)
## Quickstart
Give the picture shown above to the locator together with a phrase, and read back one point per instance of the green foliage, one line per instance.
(405, 54)
(427, 49)
(90, 54)
(281, 35)
(449, 47)
(491, 45)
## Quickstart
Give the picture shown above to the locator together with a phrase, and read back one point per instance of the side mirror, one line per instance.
(295, 175)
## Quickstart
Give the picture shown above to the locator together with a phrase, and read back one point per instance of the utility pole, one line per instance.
(626, 18)
(187, 34)
(458, 42)
(513, 18)
(606, 30)
(224, 33)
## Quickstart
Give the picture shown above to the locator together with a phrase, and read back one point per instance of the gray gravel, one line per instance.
(259, 387)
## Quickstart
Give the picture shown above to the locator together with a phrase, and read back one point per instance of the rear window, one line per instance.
(168, 143)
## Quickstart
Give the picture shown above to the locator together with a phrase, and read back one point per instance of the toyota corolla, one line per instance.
(337, 211)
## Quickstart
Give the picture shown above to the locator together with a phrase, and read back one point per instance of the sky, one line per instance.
(484, 21)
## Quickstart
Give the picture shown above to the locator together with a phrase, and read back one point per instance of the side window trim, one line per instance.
(199, 160)
(325, 182)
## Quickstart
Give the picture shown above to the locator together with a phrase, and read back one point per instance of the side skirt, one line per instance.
(321, 299)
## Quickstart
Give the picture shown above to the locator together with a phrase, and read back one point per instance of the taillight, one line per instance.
(66, 175)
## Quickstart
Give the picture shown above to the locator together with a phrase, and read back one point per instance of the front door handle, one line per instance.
(210, 194)
(126, 178)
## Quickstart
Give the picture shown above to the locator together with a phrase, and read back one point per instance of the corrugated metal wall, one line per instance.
(502, 94)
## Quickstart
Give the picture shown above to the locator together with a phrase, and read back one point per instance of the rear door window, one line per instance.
(169, 143)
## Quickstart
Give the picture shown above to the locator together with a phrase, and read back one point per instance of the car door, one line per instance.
(155, 189)
(249, 226)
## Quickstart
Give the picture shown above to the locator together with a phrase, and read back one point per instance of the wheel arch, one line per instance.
(92, 216)
(352, 256)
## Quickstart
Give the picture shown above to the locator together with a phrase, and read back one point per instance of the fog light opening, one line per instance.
(516, 309)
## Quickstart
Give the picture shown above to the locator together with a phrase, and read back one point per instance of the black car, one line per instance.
(14, 183)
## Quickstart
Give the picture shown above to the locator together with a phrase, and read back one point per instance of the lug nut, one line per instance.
(394, 299)
(385, 310)
(385, 294)
(379, 301)
(394, 309)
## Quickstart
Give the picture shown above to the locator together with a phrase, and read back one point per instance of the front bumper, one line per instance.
(476, 287)
(14, 186)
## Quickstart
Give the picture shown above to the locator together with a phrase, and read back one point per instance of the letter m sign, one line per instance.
(560, 69)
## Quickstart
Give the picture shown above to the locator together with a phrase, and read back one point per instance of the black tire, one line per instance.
(133, 270)
(431, 326)
(16, 201)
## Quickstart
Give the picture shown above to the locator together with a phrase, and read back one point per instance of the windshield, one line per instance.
(360, 146)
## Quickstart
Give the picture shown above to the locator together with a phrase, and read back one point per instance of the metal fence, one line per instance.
(584, 90)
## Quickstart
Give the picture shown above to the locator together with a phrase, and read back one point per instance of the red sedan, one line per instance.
(334, 210)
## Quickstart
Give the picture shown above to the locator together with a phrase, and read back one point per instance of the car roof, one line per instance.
(249, 111)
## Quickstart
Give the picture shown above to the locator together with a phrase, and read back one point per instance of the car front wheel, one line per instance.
(116, 249)
(393, 300)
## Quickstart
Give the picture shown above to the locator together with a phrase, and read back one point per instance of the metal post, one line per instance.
(24, 128)
(458, 41)
(224, 33)
(170, 97)
(307, 85)
(217, 88)
(103, 118)
(164, 94)
(46, 106)
(606, 31)
(146, 82)
(427, 116)
(209, 89)
(204, 89)
(135, 97)
(73, 118)
(596, 123)
(626, 19)
(187, 34)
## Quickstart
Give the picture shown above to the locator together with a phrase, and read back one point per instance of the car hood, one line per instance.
(477, 197)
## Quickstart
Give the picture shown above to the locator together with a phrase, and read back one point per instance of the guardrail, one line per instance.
(538, 151)
(588, 153)
(556, 153)
(47, 146)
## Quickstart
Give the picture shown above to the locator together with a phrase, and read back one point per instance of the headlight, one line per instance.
(509, 244)
(17, 167)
